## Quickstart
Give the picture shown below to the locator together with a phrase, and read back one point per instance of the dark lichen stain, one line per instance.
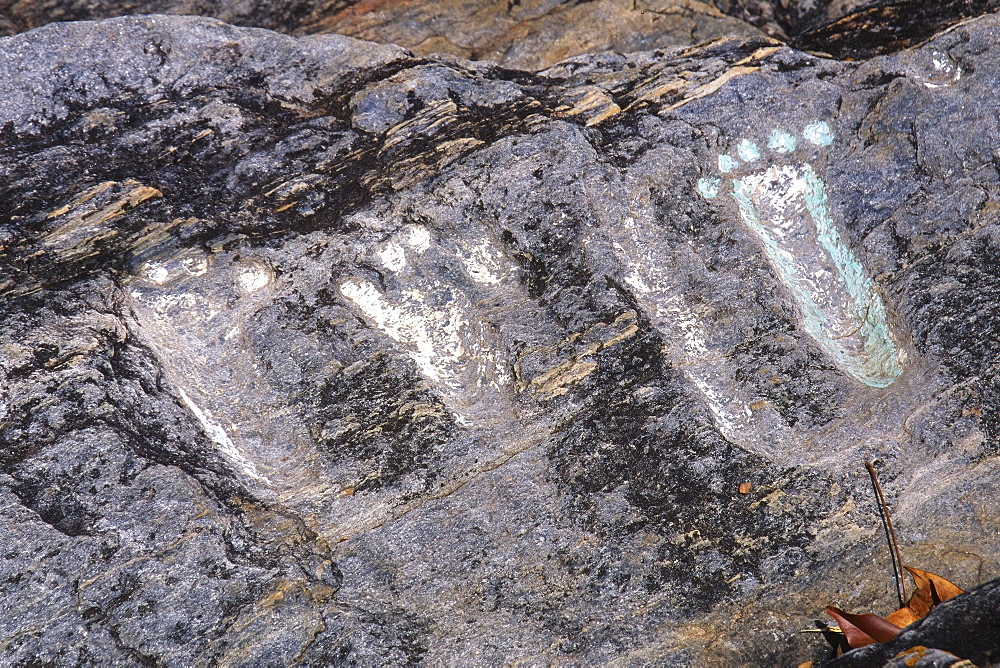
(221, 184)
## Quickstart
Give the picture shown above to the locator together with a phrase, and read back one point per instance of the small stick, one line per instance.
(890, 535)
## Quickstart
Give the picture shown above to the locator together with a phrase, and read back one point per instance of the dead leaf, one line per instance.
(861, 630)
(931, 590)
(945, 590)
(903, 617)
(745, 487)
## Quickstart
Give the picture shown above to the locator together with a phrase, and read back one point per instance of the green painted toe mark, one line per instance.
(818, 133)
(781, 142)
(709, 187)
(727, 164)
(747, 150)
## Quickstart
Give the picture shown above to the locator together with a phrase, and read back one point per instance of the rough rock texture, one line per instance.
(854, 28)
(317, 352)
(535, 34)
(531, 34)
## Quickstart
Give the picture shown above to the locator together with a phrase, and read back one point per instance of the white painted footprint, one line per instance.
(434, 321)
(783, 200)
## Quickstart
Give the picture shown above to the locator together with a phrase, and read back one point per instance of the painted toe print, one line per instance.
(783, 200)
(433, 317)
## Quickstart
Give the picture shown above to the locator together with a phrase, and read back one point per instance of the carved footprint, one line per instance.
(434, 319)
(783, 200)
(659, 274)
(188, 308)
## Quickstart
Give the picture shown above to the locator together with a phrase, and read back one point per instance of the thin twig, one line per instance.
(890, 535)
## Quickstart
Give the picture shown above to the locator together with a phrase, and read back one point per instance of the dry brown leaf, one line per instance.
(945, 590)
(931, 590)
(861, 630)
(903, 617)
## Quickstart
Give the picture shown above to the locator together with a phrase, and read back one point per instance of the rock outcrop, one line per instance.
(315, 351)
(535, 34)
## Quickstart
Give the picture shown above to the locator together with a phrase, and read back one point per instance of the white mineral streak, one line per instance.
(634, 276)
(393, 257)
(165, 307)
(782, 187)
(221, 438)
(195, 266)
(704, 370)
(419, 238)
(161, 304)
(155, 273)
(945, 72)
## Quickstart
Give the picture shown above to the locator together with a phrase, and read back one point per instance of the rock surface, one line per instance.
(318, 352)
(535, 34)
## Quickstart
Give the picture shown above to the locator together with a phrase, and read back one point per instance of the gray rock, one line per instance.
(315, 352)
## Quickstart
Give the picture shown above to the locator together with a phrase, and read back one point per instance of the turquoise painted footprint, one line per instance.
(783, 201)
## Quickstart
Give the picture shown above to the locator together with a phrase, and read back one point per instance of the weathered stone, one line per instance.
(525, 35)
(865, 29)
(317, 352)
(535, 34)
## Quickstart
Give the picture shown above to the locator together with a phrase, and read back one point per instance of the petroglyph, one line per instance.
(701, 355)
(434, 318)
(189, 309)
(783, 201)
